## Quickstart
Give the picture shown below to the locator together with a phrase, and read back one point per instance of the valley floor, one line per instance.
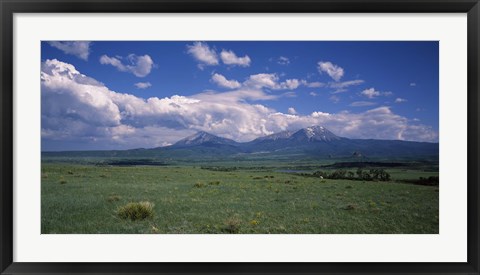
(85, 199)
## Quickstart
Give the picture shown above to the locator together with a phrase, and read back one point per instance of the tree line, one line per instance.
(360, 174)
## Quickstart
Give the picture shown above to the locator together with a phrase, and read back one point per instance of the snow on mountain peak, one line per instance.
(317, 133)
(202, 137)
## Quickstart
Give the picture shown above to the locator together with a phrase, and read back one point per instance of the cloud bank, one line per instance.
(79, 109)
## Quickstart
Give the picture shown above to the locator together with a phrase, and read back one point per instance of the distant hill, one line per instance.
(314, 141)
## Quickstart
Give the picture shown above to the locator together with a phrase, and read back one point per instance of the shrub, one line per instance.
(371, 175)
(113, 198)
(351, 207)
(136, 210)
(232, 225)
(199, 185)
(431, 181)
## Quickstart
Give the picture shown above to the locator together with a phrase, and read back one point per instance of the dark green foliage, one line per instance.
(350, 175)
(371, 175)
(338, 174)
(432, 181)
(219, 168)
(136, 210)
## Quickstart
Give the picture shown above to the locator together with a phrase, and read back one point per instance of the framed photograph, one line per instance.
(239, 137)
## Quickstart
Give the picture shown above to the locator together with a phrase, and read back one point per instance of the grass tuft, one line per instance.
(136, 210)
(62, 180)
(351, 207)
(232, 225)
(199, 185)
(113, 198)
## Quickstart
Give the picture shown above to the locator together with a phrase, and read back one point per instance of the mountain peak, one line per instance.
(202, 137)
(315, 133)
(312, 133)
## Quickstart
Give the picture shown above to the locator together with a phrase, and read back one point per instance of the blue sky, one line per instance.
(120, 95)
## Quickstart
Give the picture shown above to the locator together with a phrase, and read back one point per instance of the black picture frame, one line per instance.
(9, 7)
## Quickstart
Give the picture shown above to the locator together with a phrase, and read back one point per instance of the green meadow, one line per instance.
(82, 198)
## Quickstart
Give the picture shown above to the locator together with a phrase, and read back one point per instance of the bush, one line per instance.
(113, 198)
(351, 207)
(232, 225)
(431, 181)
(62, 180)
(372, 175)
(136, 210)
(199, 185)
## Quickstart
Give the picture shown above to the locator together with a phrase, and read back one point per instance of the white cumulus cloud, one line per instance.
(270, 81)
(282, 60)
(143, 85)
(230, 58)
(140, 66)
(80, 49)
(372, 93)
(79, 110)
(203, 54)
(221, 81)
(292, 111)
(334, 71)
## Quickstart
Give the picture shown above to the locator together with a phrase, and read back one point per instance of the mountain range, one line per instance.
(314, 141)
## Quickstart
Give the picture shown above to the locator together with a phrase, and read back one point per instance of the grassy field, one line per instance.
(83, 199)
